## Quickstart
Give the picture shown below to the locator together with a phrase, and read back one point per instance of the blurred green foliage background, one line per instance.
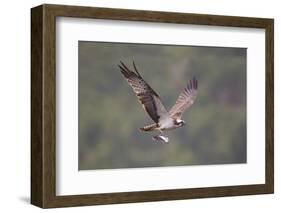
(110, 114)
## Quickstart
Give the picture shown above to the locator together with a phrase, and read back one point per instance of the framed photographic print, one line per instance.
(136, 106)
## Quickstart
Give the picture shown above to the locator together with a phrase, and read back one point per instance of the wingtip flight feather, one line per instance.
(126, 71)
(136, 69)
(123, 71)
(191, 85)
(195, 83)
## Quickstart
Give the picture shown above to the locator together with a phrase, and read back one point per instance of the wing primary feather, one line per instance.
(185, 99)
(125, 68)
(147, 96)
(136, 69)
(196, 83)
(123, 71)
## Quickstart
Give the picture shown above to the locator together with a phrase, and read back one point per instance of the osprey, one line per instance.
(152, 104)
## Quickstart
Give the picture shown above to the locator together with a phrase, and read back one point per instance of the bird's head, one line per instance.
(179, 122)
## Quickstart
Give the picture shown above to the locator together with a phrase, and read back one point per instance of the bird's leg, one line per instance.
(161, 132)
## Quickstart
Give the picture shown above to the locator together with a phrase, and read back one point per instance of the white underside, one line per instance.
(166, 124)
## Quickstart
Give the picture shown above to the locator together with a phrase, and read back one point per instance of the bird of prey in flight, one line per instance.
(151, 102)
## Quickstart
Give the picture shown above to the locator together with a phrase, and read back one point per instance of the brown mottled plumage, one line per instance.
(151, 102)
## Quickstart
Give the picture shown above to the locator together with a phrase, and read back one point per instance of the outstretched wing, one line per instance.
(149, 99)
(185, 99)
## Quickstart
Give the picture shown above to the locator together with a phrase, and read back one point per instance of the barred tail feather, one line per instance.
(149, 127)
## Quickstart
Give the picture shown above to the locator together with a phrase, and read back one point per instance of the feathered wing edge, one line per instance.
(185, 99)
(149, 99)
